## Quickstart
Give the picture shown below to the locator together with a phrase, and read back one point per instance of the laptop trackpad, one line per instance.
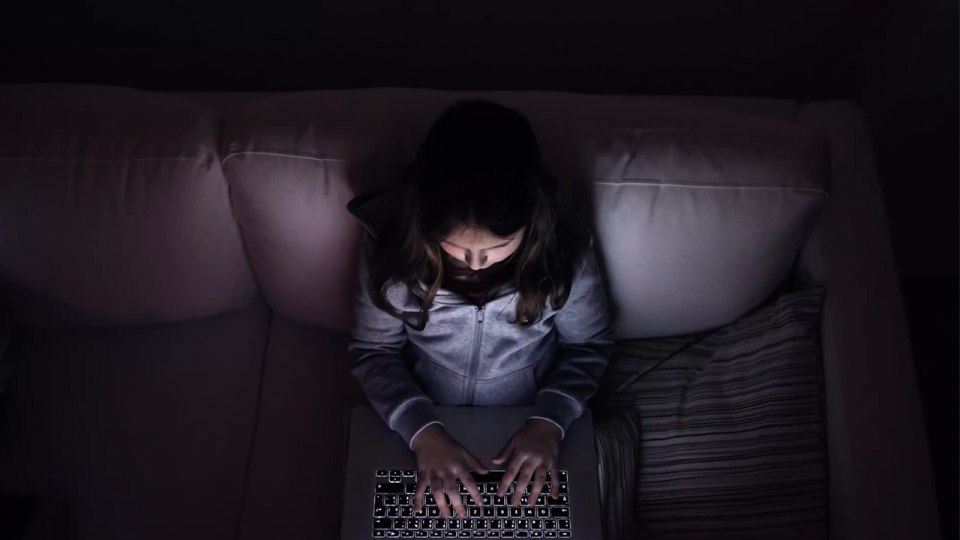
(484, 431)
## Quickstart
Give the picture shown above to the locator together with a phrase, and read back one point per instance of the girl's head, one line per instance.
(478, 196)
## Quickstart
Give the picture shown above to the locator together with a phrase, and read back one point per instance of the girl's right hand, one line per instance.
(440, 462)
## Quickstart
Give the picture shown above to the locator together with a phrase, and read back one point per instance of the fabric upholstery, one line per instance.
(878, 448)
(696, 227)
(295, 160)
(725, 430)
(136, 432)
(113, 209)
(294, 488)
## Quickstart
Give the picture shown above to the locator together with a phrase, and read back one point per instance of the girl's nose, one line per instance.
(476, 262)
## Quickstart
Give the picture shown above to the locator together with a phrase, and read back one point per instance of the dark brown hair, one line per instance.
(480, 166)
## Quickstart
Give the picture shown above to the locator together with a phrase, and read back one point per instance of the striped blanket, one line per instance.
(720, 434)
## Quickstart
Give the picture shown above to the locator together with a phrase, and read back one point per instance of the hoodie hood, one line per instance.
(374, 209)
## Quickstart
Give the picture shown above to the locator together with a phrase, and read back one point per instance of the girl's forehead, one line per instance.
(478, 238)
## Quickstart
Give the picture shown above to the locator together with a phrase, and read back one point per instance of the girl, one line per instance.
(488, 290)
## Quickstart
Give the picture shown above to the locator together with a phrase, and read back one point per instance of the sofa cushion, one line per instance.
(294, 488)
(696, 227)
(113, 208)
(136, 432)
(294, 161)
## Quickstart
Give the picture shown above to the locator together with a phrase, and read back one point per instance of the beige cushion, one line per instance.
(113, 208)
(751, 188)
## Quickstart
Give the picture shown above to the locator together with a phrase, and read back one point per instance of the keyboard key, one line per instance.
(393, 534)
(453, 524)
(475, 511)
(382, 473)
(482, 524)
(378, 534)
(390, 500)
(541, 500)
(559, 512)
(516, 512)
(422, 512)
(399, 523)
(380, 523)
(563, 476)
(492, 476)
(563, 524)
(464, 534)
(523, 534)
(529, 512)
(503, 511)
(489, 511)
(536, 524)
(393, 511)
(436, 534)
(496, 524)
(507, 534)
(550, 524)
(384, 488)
(409, 473)
(410, 489)
(433, 511)
(430, 500)
(523, 524)
(492, 487)
(413, 523)
(563, 500)
(509, 524)
(440, 524)
(543, 512)
(450, 534)
(565, 534)
(406, 511)
(550, 534)
(493, 534)
(404, 500)
(422, 534)
(467, 524)
(536, 534)
(499, 501)
(379, 511)
(479, 534)
(564, 489)
(406, 534)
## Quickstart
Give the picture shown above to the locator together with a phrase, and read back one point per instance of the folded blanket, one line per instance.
(720, 434)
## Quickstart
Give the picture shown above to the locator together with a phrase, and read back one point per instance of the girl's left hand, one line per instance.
(533, 451)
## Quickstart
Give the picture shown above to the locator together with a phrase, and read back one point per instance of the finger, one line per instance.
(471, 486)
(436, 484)
(523, 480)
(554, 482)
(454, 495)
(508, 477)
(474, 463)
(504, 454)
(421, 489)
(538, 479)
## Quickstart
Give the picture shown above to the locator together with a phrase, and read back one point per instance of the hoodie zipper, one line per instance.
(475, 361)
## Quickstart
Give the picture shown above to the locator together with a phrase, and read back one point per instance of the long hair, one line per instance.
(479, 166)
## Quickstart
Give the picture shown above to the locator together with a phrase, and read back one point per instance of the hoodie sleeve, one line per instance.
(586, 339)
(376, 347)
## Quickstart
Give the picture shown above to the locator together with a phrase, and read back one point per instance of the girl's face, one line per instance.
(478, 249)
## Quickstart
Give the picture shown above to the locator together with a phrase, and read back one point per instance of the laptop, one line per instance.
(380, 480)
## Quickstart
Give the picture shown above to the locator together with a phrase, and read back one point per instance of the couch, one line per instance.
(181, 268)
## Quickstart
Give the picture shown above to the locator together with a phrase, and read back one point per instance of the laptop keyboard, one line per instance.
(393, 515)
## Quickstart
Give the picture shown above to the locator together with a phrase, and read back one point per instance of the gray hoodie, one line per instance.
(470, 355)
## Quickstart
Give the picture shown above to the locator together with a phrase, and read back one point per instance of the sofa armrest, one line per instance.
(881, 484)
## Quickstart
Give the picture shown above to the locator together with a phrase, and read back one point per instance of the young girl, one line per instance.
(478, 289)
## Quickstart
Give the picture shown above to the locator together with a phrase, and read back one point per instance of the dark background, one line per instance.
(897, 59)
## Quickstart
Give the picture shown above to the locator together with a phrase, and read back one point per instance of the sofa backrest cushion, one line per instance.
(114, 209)
(698, 212)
